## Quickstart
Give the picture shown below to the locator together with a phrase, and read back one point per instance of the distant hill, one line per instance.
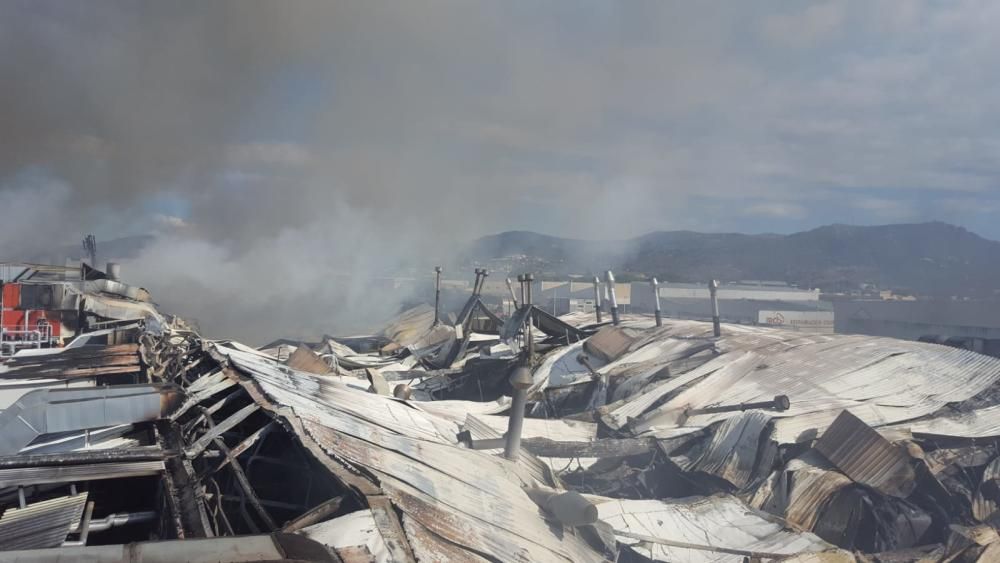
(925, 258)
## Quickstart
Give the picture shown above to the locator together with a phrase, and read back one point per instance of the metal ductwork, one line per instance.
(49, 411)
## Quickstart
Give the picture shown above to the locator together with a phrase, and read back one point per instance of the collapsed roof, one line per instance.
(642, 443)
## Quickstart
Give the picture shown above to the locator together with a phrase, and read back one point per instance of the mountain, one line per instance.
(926, 258)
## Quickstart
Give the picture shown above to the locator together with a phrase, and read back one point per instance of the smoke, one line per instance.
(304, 176)
(288, 151)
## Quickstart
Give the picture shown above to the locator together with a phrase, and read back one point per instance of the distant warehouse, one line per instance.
(751, 303)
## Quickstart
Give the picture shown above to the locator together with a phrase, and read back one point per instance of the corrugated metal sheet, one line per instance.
(980, 423)
(721, 521)
(41, 524)
(801, 490)
(985, 502)
(866, 457)
(553, 429)
(351, 530)
(733, 451)
(880, 380)
(419, 466)
(71, 473)
(535, 466)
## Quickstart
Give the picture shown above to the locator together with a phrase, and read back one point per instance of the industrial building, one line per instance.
(748, 303)
(972, 324)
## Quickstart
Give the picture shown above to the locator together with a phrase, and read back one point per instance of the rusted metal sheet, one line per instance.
(428, 546)
(304, 359)
(610, 343)
(76, 362)
(735, 448)
(866, 457)
(487, 497)
(801, 491)
(390, 528)
(986, 501)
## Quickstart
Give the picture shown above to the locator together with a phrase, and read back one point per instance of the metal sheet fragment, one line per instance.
(866, 457)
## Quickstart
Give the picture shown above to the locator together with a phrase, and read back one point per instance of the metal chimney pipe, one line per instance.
(510, 288)
(779, 403)
(613, 301)
(597, 297)
(482, 281)
(475, 284)
(520, 381)
(713, 288)
(528, 280)
(437, 295)
(114, 271)
(656, 301)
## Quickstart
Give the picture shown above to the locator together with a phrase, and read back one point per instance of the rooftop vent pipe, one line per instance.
(713, 289)
(656, 301)
(613, 301)
(597, 297)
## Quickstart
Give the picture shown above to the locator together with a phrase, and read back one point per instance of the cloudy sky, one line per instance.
(248, 131)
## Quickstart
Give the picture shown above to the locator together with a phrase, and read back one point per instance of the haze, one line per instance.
(273, 146)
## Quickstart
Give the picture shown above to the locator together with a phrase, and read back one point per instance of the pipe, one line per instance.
(584, 360)
(520, 381)
(482, 281)
(528, 280)
(597, 298)
(510, 288)
(779, 403)
(713, 289)
(656, 301)
(114, 520)
(88, 525)
(437, 295)
(477, 286)
(402, 391)
(612, 299)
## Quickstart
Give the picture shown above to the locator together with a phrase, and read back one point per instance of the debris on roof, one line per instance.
(520, 437)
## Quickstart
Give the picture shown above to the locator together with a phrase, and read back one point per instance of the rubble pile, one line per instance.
(643, 439)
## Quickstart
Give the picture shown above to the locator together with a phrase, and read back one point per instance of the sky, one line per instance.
(256, 137)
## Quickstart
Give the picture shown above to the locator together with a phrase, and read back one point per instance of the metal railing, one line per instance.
(14, 338)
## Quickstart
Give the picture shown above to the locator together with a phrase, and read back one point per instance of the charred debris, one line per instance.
(126, 436)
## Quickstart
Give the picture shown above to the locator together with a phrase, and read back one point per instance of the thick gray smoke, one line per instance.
(278, 145)
(278, 130)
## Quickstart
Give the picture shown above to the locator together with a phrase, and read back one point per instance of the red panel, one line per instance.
(11, 295)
